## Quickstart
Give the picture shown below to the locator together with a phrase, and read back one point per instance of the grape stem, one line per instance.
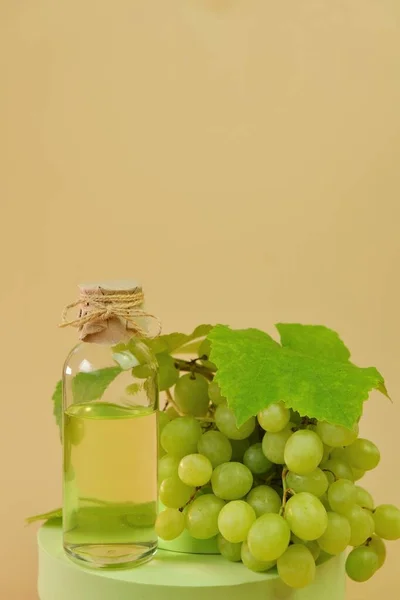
(192, 497)
(308, 421)
(286, 491)
(331, 472)
(273, 475)
(193, 367)
(170, 399)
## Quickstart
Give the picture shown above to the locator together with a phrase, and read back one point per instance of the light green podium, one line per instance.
(173, 576)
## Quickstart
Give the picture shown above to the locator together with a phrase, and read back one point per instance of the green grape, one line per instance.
(387, 522)
(268, 537)
(255, 459)
(163, 419)
(228, 550)
(306, 516)
(339, 454)
(340, 469)
(206, 489)
(195, 470)
(336, 435)
(264, 499)
(191, 395)
(378, 546)
(168, 374)
(171, 412)
(259, 566)
(169, 524)
(167, 466)
(342, 496)
(315, 483)
(303, 452)
(361, 523)
(202, 516)
(204, 353)
(239, 447)
(364, 498)
(363, 454)
(357, 473)
(312, 546)
(274, 418)
(174, 493)
(273, 444)
(361, 564)
(325, 502)
(231, 481)
(327, 453)
(235, 520)
(330, 476)
(296, 567)
(216, 447)
(181, 436)
(337, 535)
(277, 487)
(140, 371)
(214, 393)
(226, 422)
(314, 549)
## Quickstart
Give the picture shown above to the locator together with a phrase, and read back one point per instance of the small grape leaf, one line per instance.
(92, 385)
(133, 389)
(309, 372)
(52, 514)
(172, 342)
(57, 403)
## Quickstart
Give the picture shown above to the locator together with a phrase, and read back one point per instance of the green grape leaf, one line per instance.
(92, 385)
(381, 387)
(309, 372)
(172, 342)
(52, 514)
(85, 388)
(313, 340)
(191, 347)
(57, 403)
(125, 359)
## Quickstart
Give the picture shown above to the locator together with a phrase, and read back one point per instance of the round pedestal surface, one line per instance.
(173, 576)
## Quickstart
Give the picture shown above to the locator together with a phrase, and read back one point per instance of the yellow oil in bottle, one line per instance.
(110, 484)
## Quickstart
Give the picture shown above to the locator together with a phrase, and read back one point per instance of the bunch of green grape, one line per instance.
(278, 492)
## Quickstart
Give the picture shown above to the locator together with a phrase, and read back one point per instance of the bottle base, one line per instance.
(110, 556)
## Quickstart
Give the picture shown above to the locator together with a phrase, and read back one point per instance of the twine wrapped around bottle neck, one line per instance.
(100, 308)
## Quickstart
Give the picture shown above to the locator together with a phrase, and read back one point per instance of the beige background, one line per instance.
(239, 157)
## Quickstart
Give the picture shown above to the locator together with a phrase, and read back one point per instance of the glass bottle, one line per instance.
(110, 403)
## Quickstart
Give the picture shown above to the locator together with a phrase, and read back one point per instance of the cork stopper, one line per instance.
(119, 285)
(110, 312)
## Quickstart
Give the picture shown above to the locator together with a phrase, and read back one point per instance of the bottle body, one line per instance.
(110, 454)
